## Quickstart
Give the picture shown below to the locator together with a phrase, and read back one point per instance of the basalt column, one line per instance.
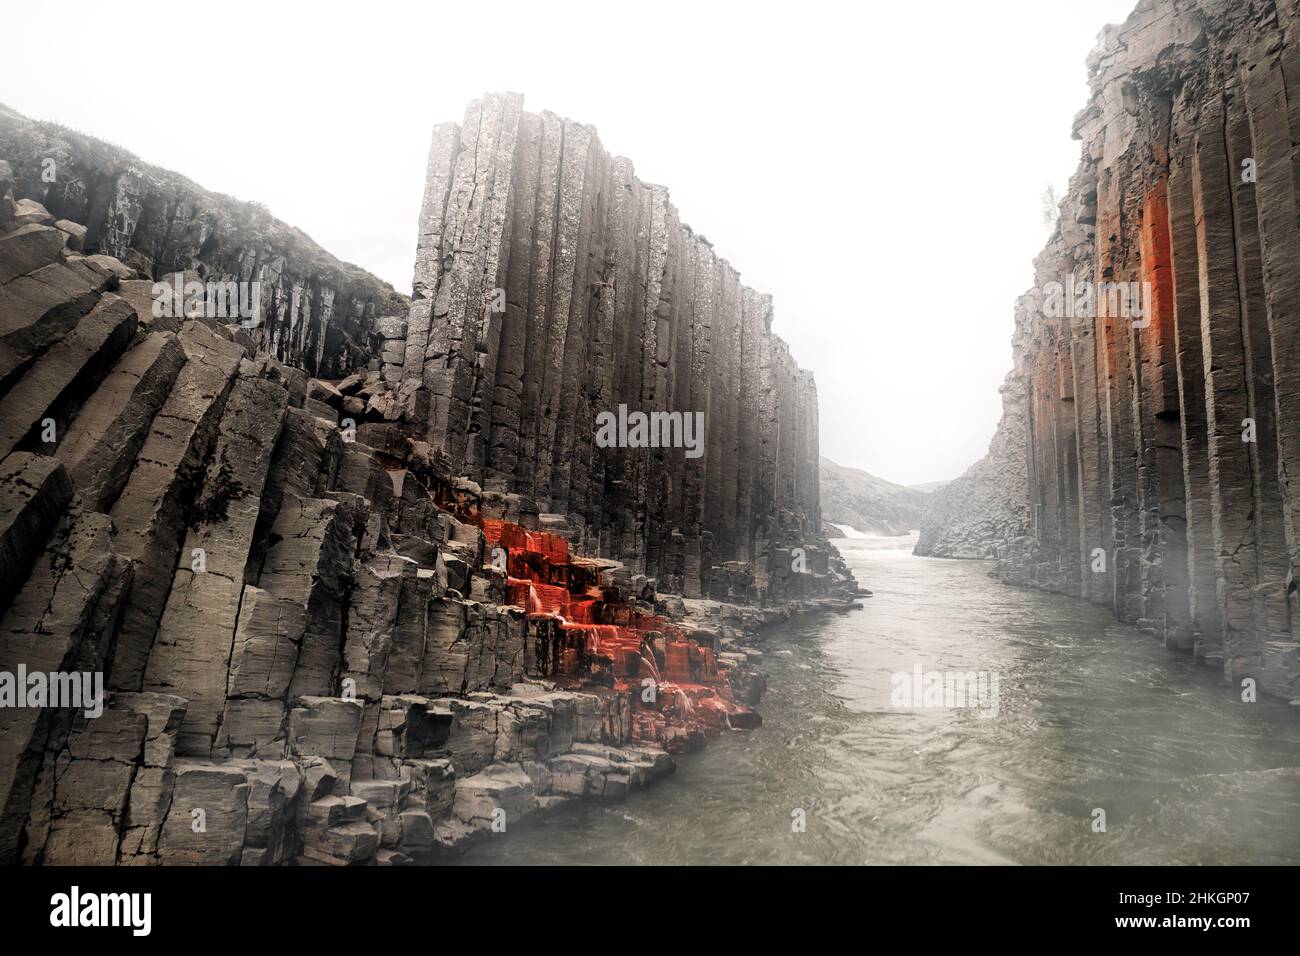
(551, 287)
(1164, 515)
(1202, 599)
(1268, 604)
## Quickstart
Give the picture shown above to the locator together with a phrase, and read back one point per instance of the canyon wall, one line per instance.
(316, 311)
(249, 616)
(1162, 440)
(551, 286)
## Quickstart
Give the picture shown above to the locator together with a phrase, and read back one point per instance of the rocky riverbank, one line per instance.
(375, 615)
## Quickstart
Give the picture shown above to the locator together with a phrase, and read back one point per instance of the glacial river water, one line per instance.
(1091, 715)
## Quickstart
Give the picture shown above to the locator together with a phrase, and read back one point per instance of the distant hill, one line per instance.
(928, 486)
(869, 504)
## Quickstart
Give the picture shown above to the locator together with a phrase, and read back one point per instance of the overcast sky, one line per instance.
(877, 167)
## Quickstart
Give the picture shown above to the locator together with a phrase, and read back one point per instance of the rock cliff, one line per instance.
(317, 312)
(248, 615)
(551, 287)
(1157, 352)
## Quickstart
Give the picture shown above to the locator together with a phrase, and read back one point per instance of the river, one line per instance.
(1091, 715)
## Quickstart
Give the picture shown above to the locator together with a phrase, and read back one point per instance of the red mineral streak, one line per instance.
(1154, 245)
(585, 640)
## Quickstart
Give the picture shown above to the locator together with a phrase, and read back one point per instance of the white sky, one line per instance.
(877, 167)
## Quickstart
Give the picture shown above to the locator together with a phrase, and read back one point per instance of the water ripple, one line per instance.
(1091, 716)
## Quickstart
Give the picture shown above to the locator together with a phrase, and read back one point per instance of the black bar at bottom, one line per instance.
(339, 906)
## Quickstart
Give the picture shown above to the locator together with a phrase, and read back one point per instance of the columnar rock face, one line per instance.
(552, 286)
(316, 312)
(213, 645)
(249, 616)
(1162, 450)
